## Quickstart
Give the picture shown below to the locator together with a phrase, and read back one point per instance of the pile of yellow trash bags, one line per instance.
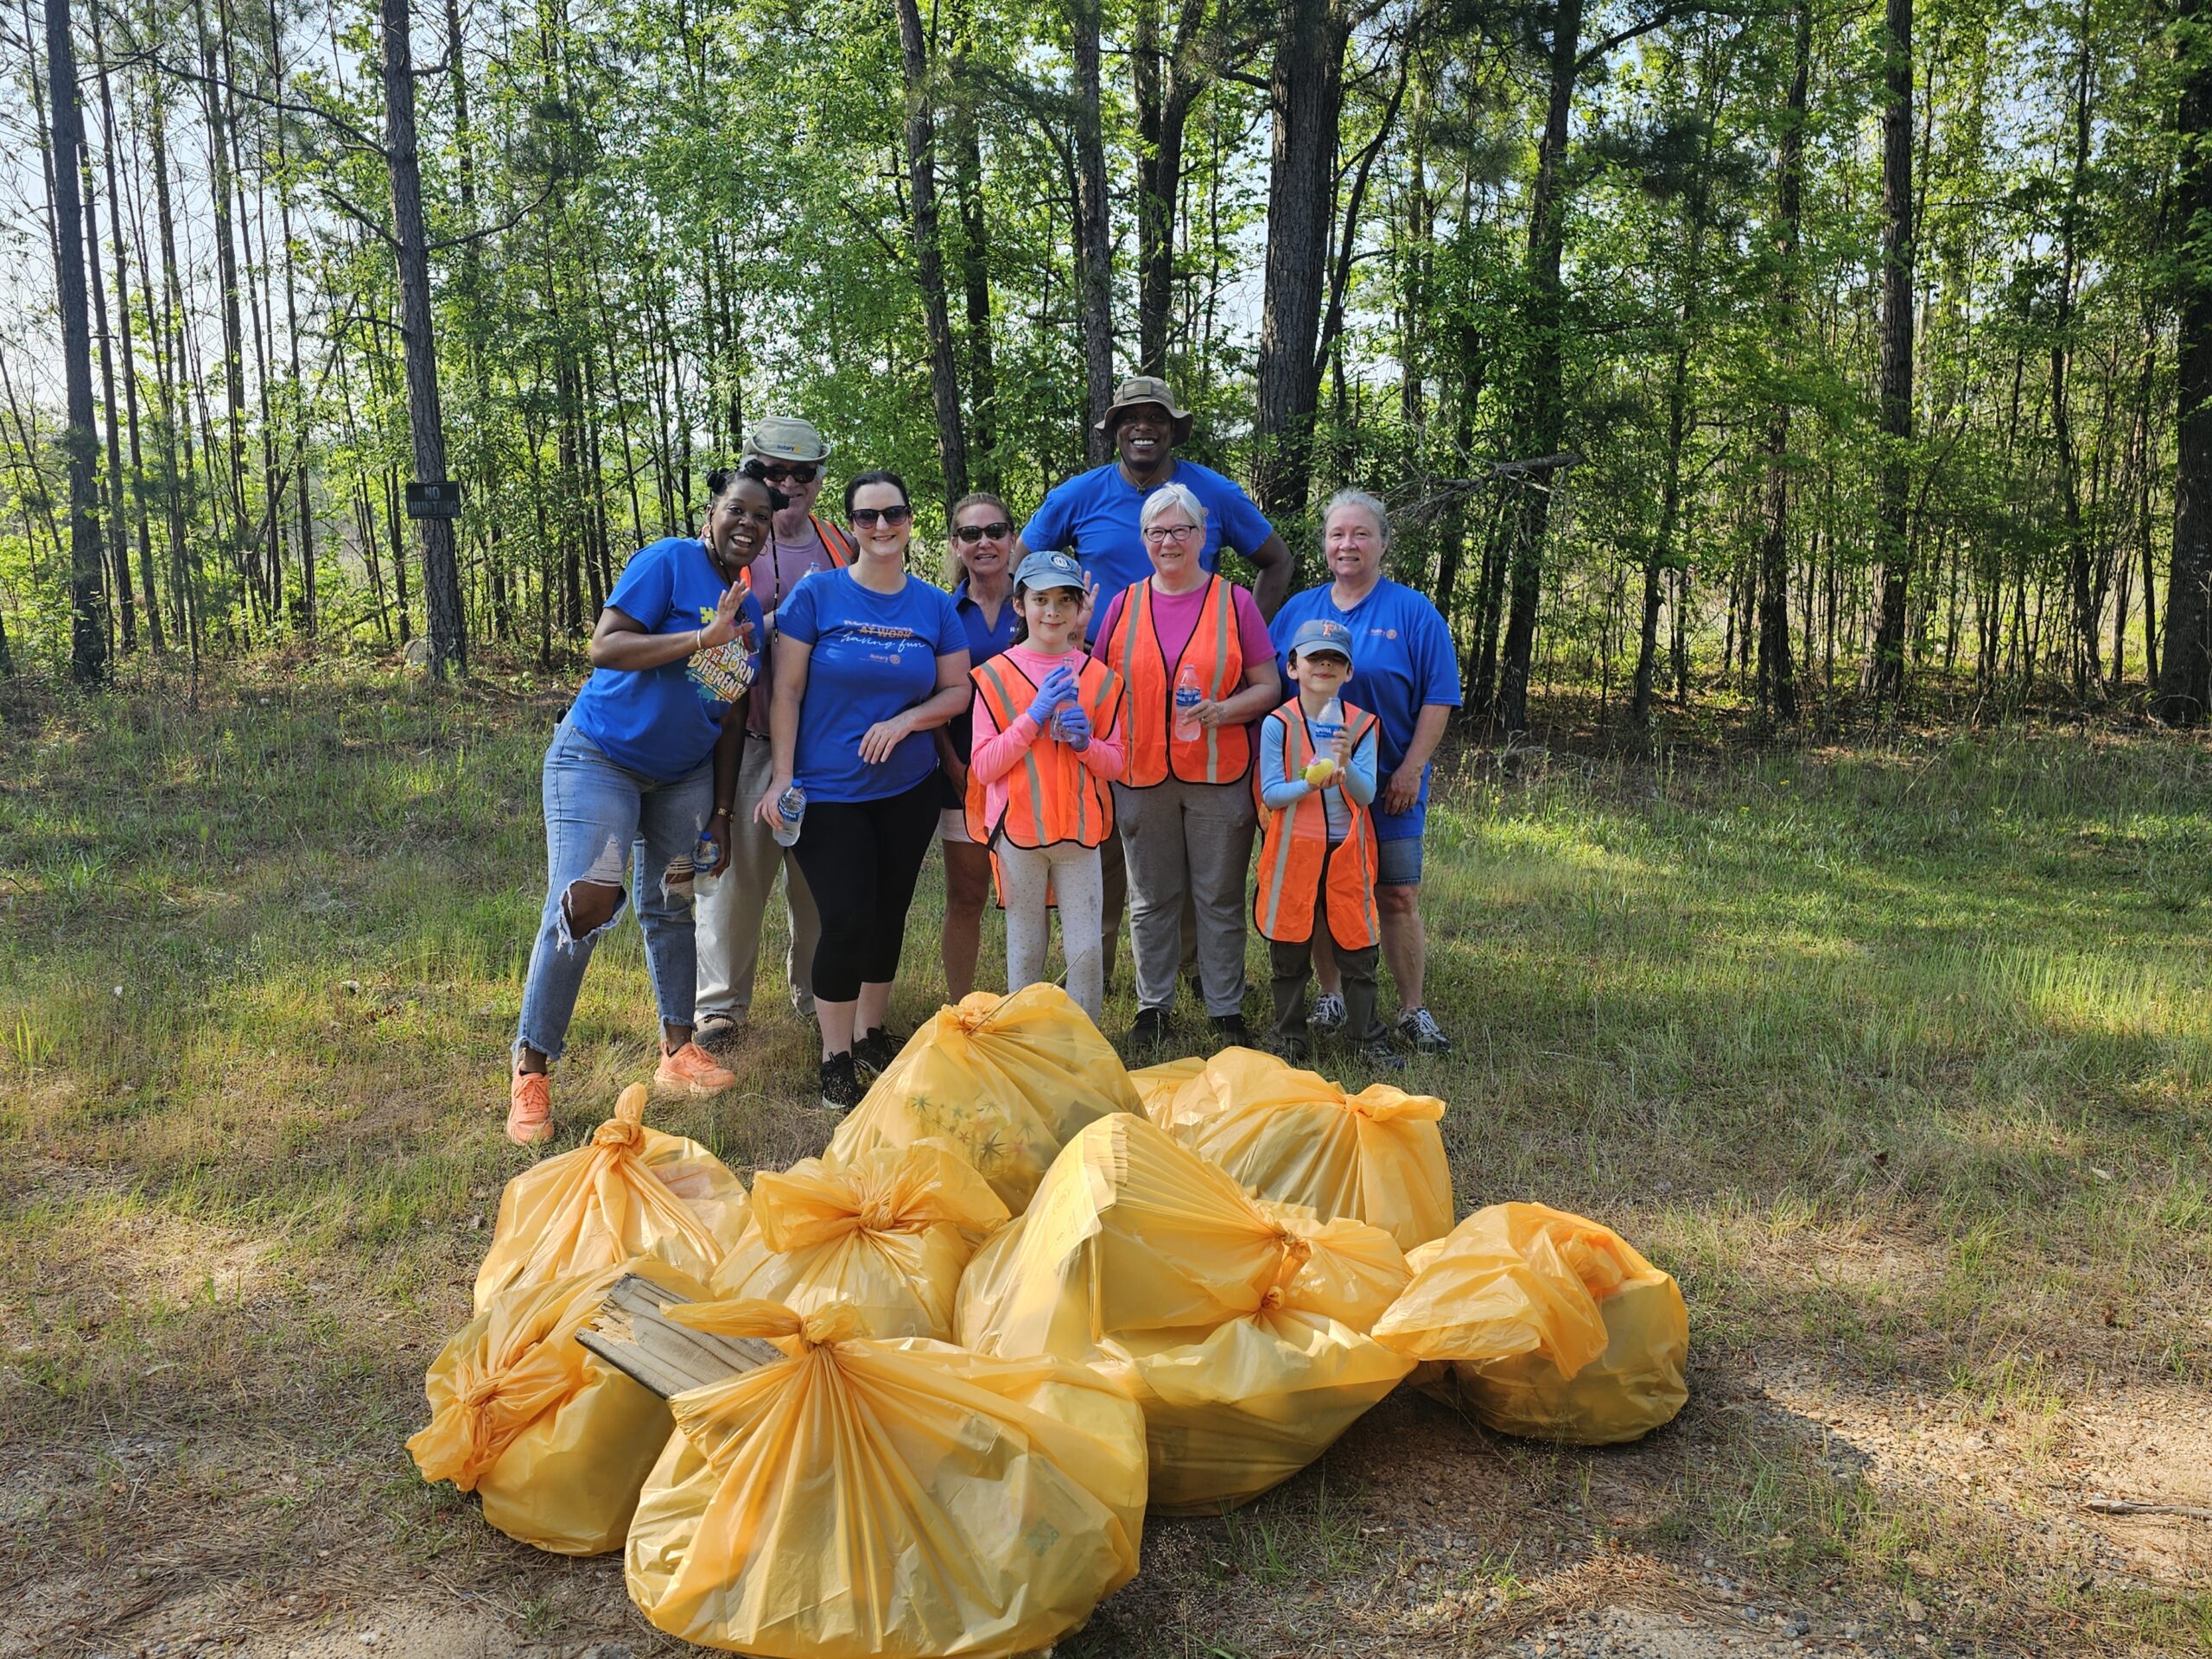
(1024, 1296)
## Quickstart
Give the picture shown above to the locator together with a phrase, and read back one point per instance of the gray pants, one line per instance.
(1190, 841)
(730, 906)
(1072, 874)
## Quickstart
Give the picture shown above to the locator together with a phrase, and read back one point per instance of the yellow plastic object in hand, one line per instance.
(1319, 770)
(872, 1497)
(1291, 1134)
(629, 1190)
(1006, 1079)
(1237, 1324)
(1546, 1326)
(888, 1234)
(555, 1442)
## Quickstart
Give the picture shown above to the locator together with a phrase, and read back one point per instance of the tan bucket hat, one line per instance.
(785, 437)
(1147, 389)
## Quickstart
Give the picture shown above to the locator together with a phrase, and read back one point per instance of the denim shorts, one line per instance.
(1397, 863)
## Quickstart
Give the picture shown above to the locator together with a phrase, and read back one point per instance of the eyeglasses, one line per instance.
(868, 518)
(794, 473)
(1170, 532)
(997, 530)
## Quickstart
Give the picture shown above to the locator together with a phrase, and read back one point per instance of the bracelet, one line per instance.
(721, 811)
(698, 640)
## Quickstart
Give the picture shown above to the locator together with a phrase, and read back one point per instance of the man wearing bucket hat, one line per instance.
(787, 455)
(1097, 514)
(1094, 514)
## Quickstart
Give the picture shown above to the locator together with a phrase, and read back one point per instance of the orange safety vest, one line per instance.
(1294, 850)
(1219, 754)
(1052, 796)
(837, 544)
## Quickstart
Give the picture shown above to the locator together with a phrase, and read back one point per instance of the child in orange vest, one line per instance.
(1317, 843)
(1048, 741)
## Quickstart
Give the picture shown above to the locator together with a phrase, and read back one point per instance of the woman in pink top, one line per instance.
(1047, 744)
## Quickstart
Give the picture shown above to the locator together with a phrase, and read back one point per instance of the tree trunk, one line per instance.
(1662, 545)
(976, 284)
(1778, 681)
(88, 654)
(929, 255)
(1094, 244)
(1167, 83)
(137, 477)
(1544, 419)
(426, 421)
(1885, 662)
(2185, 661)
(118, 540)
(1306, 93)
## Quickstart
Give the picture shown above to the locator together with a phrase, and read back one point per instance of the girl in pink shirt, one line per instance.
(1047, 742)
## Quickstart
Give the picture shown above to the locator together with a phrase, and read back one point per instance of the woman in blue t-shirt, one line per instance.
(869, 661)
(648, 753)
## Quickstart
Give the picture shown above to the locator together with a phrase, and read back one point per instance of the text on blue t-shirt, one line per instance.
(871, 656)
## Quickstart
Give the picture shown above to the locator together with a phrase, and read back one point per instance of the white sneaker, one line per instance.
(1328, 1015)
(1419, 1028)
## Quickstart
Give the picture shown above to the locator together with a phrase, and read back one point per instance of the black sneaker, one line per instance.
(1380, 1056)
(1150, 1030)
(840, 1084)
(1295, 1050)
(1419, 1028)
(874, 1051)
(1230, 1031)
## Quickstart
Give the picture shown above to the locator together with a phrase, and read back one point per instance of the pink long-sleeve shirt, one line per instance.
(996, 752)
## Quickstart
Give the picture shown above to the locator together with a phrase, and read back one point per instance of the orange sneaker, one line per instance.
(691, 1069)
(530, 1108)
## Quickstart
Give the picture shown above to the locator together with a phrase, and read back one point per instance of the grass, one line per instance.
(1899, 1057)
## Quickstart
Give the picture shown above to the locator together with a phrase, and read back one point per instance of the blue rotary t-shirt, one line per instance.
(1095, 514)
(1403, 661)
(663, 721)
(873, 656)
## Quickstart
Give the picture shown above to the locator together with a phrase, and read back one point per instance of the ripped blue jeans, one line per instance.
(599, 818)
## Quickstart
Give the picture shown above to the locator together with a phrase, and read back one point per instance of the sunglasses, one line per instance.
(997, 530)
(868, 518)
(797, 472)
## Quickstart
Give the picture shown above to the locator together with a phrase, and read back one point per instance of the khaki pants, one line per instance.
(1187, 843)
(731, 907)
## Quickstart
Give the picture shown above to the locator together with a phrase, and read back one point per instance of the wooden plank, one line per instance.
(629, 1334)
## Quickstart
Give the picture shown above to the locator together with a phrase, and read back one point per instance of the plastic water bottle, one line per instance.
(790, 806)
(1328, 724)
(1188, 697)
(706, 855)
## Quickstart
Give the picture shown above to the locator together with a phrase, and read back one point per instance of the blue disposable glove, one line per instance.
(1074, 728)
(1059, 687)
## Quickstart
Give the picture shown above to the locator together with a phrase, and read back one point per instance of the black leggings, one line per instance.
(861, 859)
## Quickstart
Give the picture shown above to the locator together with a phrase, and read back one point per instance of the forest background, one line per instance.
(1785, 353)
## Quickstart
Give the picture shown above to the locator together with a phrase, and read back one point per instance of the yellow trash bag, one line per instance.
(1235, 1323)
(1007, 1079)
(1156, 1085)
(900, 1498)
(1375, 1156)
(629, 1190)
(1549, 1325)
(888, 1234)
(556, 1441)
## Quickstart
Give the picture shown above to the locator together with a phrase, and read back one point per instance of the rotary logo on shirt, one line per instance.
(722, 673)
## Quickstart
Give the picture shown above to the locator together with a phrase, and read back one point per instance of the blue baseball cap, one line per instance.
(1321, 634)
(1049, 568)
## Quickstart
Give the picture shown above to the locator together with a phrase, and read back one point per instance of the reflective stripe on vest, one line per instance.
(1051, 796)
(1294, 851)
(837, 544)
(1219, 754)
